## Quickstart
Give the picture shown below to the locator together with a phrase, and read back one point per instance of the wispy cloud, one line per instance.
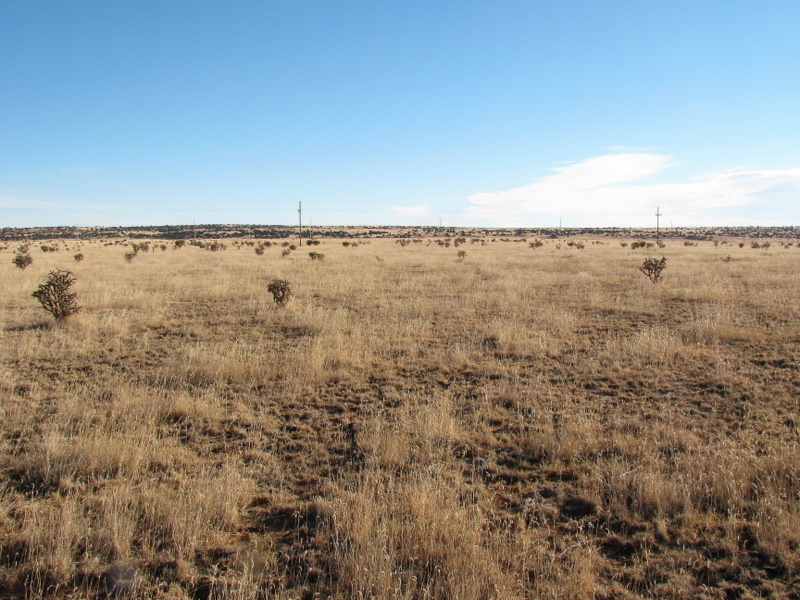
(610, 190)
(7, 202)
(411, 210)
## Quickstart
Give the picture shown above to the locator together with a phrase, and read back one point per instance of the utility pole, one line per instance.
(300, 218)
(658, 231)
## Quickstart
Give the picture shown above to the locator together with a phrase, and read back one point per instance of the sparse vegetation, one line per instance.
(563, 431)
(318, 256)
(78, 257)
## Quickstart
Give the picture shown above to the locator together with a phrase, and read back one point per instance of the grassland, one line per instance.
(522, 423)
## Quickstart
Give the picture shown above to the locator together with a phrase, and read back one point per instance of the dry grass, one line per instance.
(527, 423)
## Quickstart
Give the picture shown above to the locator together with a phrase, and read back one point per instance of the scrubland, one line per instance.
(521, 423)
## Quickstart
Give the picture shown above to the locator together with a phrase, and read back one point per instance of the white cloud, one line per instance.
(608, 190)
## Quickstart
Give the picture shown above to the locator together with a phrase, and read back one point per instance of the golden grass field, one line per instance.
(522, 423)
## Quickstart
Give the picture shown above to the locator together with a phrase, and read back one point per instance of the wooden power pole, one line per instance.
(300, 219)
(658, 231)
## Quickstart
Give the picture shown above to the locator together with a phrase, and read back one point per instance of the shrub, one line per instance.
(22, 260)
(259, 250)
(55, 297)
(286, 252)
(316, 256)
(281, 291)
(461, 254)
(129, 256)
(78, 257)
(178, 244)
(639, 244)
(653, 268)
(536, 243)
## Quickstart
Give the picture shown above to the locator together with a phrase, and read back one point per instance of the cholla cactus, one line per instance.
(281, 291)
(55, 297)
(653, 267)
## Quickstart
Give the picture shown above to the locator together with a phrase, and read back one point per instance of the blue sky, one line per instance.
(501, 113)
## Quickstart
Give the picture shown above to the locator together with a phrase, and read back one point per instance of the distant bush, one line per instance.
(286, 252)
(281, 291)
(78, 257)
(22, 261)
(178, 244)
(536, 243)
(259, 250)
(461, 254)
(316, 256)
(55, 296)
(639, 244)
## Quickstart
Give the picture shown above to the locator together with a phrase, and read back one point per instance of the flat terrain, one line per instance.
(519, 422)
